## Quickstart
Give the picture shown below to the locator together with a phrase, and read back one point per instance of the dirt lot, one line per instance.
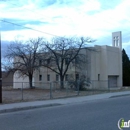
(10, 95)
(17, 95)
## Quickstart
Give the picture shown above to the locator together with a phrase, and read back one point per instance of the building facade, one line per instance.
(103, 68)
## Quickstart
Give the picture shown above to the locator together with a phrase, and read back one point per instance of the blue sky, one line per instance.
(93, 18)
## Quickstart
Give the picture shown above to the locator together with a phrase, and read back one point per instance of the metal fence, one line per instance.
(20, 91)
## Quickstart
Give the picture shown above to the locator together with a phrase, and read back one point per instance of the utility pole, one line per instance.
(0, 73)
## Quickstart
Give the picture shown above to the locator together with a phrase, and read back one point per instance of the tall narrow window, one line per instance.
(98, 77)
(57, 77)
(40, 77)
(77, 76)
(114, 42)
(66, 61)
(48, 61)
(66, 77)
(77, 60)
(48, 77)
(40, 62)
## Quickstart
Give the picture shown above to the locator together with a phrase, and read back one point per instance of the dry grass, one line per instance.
(10, 95)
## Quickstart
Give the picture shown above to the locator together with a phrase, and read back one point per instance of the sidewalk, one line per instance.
(46, 103)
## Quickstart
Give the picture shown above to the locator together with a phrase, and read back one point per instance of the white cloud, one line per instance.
(67, 17)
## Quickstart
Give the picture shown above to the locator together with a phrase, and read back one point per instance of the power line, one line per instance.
(42, 18)
(40, 30)
(64, 22)
(32, 29)
(105, 21)
(5, 21)
(37, 13)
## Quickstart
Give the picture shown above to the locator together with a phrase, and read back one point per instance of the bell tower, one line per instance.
(117, 42)
(117, 39)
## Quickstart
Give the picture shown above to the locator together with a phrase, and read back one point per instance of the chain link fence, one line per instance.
(20, 91)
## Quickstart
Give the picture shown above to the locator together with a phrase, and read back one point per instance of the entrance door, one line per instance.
(112, 81)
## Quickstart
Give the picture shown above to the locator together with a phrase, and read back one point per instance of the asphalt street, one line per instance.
(91, 115)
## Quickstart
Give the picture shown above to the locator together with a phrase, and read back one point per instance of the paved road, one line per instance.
(91, 115)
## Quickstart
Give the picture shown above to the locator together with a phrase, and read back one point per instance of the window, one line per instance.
(66, 61)
(57, 77)
(77, 60)
(66, 77)
(40, 77)
(48, 61)
(116, 41)
(98, 77)
(40, 62)
(77, 76)
(48, 77)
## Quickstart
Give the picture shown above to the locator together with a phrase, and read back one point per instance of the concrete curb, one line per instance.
(120, 95)
(26, 108)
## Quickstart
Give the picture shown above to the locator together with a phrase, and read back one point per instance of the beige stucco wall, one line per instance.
(106, 61)
(102, 61)
(20, 81)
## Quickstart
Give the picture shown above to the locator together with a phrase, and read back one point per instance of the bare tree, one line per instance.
(22, 57)
(59, 54)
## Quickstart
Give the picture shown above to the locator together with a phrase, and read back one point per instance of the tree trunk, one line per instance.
(30, 81)
(61, 82)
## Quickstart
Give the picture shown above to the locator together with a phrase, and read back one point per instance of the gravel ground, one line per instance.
(10, 95)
